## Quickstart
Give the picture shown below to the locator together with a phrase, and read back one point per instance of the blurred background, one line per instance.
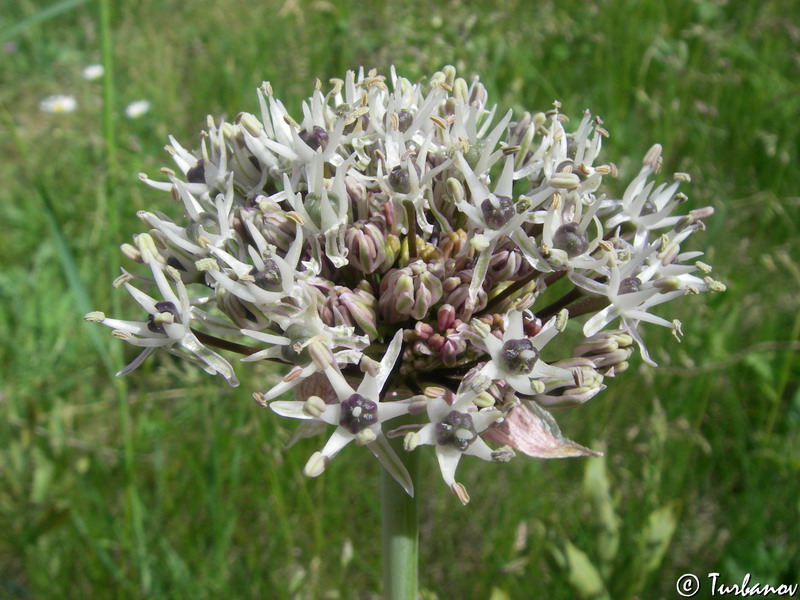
(169, 484)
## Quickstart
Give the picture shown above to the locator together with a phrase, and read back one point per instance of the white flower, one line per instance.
(59, 103)
(515, 358)
(309, 344)
(631, 294)
(455, 430)
(134, 110)
(168, 321)
(93, 72)
(357, 416)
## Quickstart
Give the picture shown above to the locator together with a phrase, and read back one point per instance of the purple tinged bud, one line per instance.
(404, 291)
(449, 353)
(423, 330)
(366, 247)
(422, 304)
(446, 317)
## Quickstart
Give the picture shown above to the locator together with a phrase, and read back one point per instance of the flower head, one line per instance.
(405, 248)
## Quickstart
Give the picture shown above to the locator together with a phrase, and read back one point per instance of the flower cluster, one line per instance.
(405, 250)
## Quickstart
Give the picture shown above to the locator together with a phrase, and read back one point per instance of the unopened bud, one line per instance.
(461, 90)
(449, 75)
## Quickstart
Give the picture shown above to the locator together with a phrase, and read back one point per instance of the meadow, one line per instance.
(168, 484)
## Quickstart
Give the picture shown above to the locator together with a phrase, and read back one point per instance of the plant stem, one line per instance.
(412, 230)
(556, 306)
(400, 532)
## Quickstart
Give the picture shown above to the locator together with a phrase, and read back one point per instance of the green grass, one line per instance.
(170, 486)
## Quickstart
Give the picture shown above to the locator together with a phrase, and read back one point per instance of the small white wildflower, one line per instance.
(58, 103)
(93, 72)
(136, 109)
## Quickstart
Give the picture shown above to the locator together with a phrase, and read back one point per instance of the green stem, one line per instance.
(400, 532)
(106, 46)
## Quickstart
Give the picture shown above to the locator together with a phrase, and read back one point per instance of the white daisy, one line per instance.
(136, 109)
(93, 72)
(58, 103)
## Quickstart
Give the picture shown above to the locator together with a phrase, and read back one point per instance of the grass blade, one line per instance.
(43, 15)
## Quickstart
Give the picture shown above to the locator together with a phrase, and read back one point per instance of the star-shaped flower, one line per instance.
(168, 321)
(515, 359)
(454, 430)
(357, 416)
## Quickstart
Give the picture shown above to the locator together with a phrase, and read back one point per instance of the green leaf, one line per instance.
(582, 575)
